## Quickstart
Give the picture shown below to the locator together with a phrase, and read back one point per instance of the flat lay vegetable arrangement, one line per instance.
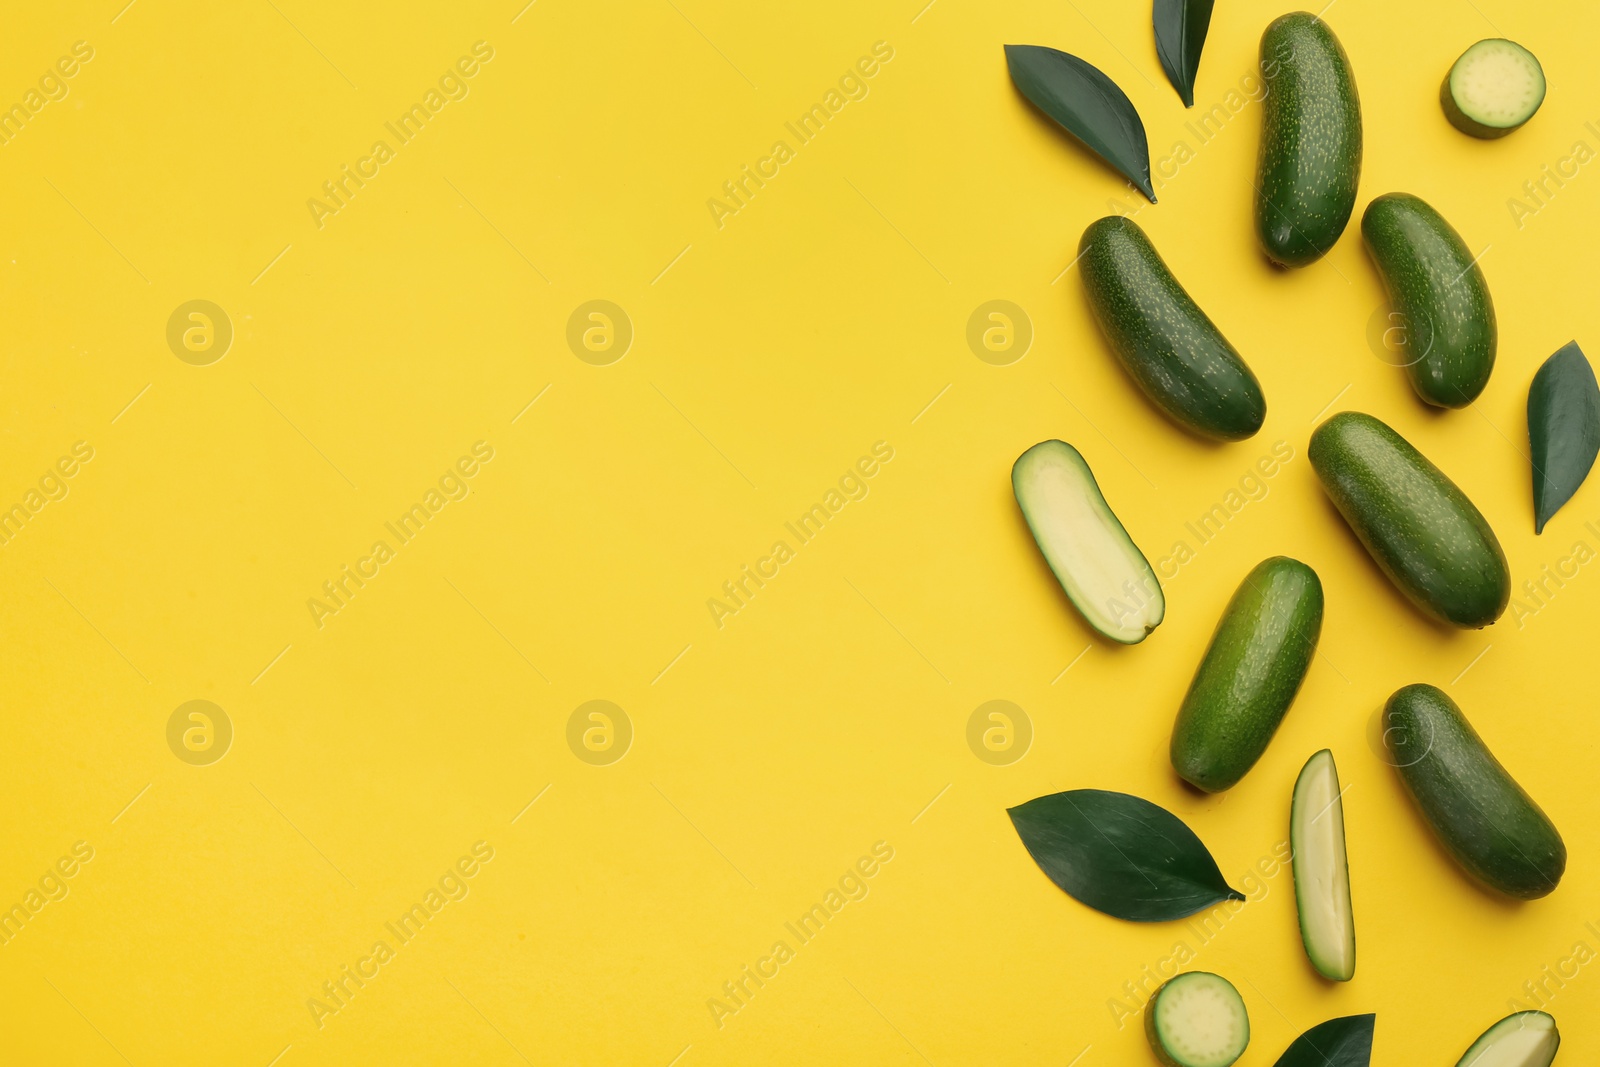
(1131, 859)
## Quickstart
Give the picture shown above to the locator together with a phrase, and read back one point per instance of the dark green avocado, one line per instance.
(1310, 160)
(1483, 817)
(1162, 338)
(1250, 674)
(1440, 294)
(1420, 528)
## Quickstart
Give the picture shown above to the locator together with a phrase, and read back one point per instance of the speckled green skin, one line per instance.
(1310, 161)
(1482, 816)
(1420, 528)
(1250, 674)
(1164, 341)
(1441, 296)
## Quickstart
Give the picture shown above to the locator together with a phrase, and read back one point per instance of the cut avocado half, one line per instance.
(1321, 870)
(1522, 1039)
(1103, 572)
(1494, 87)
(1197, 1020)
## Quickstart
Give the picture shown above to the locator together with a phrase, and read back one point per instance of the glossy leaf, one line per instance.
(1343, 1042)
(1087, 104)
(1121, 855)
(1181, 27)
(1563, 429)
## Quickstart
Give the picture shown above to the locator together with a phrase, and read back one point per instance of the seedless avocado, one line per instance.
(1322, 870)
(1495, 87)
(1420, 528)
(1477, 810)
(1162, 338)
(1521, 1039)
(1310, 160)
(1257, 659)
(1197, 1020)
(1438, 290)
(1102, 571)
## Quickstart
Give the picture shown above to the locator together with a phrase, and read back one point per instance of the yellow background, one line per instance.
(768, 355)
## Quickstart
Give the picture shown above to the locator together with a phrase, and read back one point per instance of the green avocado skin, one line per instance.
(1440, 294)
(1420, 528)
(1162, 338)
(1310, 160)
(1257, 659)
(1479, 812)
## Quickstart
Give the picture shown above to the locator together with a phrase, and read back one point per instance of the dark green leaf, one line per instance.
(1563, 428)
(1086, 104)
(1345, 1042)
(1181, 27)
(1121, 855)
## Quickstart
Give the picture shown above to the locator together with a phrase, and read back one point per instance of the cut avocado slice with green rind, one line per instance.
(1322, 870)
(1495, 87)
(1103, 572)
(1197, 1020)
(1522, 1039)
